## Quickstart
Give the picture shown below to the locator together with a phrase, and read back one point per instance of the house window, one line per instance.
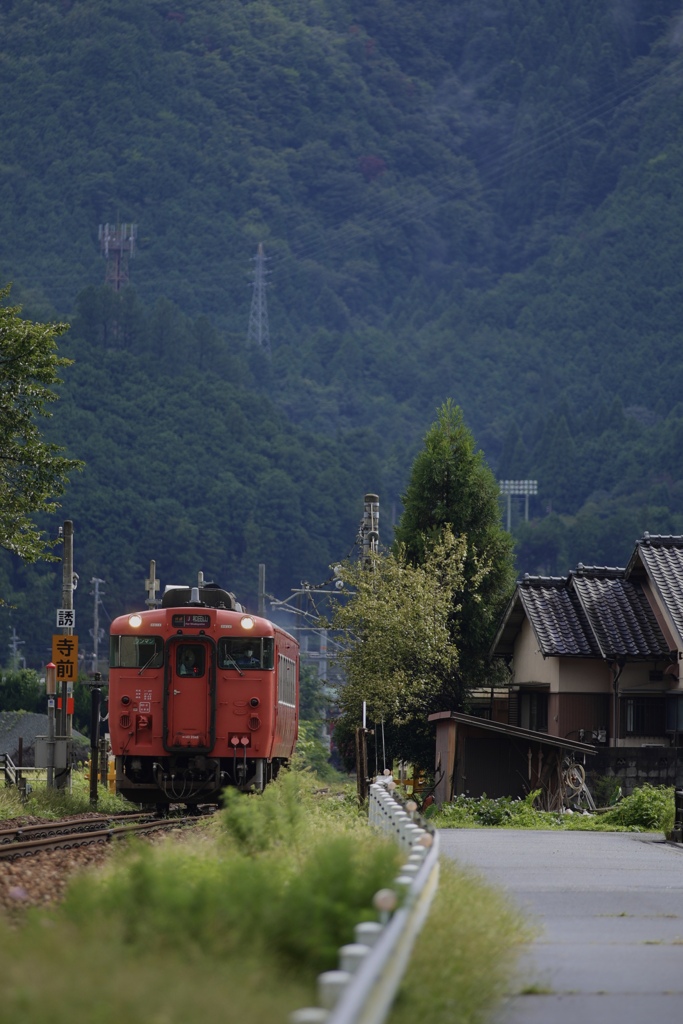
(533, 711)
(674, 713)
(643, 716)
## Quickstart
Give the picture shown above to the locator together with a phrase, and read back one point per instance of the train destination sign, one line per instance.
(189, 619)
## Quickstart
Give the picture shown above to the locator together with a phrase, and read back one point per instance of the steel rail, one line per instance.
(49, 828)
(11, 851)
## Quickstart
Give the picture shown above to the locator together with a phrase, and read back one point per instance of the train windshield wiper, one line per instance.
(148, 663)
(230, 658)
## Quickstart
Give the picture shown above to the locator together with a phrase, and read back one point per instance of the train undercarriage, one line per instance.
(190, 779)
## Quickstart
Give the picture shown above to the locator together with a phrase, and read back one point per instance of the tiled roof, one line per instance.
(557, 618)
(621, 619)
(662, 559)
(595, 612)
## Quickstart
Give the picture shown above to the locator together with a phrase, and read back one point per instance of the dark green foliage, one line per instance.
(458, 200)
(22, 691)
(33, 473)
(451, 484)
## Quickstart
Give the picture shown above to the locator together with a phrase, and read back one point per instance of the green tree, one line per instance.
(397, 649)
(21, 690)
(32, 472)
(451, 487)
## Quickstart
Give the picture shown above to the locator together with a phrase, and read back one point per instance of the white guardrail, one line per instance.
(371, 969)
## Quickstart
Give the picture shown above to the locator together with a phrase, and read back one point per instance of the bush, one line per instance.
(213, 928)
(482, 812)
(289, 880)
(650, 808)
(312, 753)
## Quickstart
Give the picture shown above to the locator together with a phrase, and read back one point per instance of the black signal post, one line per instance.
(95, 701)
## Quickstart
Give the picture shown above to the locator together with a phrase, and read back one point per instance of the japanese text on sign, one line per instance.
(66, 618)
(65, 656)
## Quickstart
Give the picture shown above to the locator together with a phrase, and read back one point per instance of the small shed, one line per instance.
(477, 757)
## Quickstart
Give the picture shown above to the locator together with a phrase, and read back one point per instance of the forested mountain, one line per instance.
(457, 200)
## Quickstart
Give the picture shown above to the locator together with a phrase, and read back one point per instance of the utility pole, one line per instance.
(258, 333)
(96, 623)
(152, 586)
(50, 689)
(262, 588)
(14, 645)
(69, 584)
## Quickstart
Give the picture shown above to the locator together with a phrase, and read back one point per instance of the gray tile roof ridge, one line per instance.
(542, 581)
(664, 540)
(599, 571)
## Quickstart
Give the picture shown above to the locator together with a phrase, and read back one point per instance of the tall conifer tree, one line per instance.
(451, 484)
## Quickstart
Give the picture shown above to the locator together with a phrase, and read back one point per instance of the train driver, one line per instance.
(187, 662)
(247, 660)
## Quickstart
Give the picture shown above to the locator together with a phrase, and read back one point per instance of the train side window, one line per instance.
(136, 651)
(245, 653)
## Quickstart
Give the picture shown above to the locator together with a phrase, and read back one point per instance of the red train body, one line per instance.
(201, 696)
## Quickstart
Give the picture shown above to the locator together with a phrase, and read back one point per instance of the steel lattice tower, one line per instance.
(117, 245)
(258, 333)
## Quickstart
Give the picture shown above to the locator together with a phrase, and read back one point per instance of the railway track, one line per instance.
(27, 840)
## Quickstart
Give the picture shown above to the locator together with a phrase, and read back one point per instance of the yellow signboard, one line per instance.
(65, 657)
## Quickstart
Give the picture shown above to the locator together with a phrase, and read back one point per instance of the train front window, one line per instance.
(136, 652)
(244, 653)
(190, 660)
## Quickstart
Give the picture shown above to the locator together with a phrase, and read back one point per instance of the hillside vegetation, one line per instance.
(457, 200)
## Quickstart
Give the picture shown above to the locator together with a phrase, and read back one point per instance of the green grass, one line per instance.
(464, 959)
(208, 927)
(54, 803)
(235, 922)
(647, 809)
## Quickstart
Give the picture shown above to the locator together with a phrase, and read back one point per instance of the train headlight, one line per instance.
(247, 622)
(135, 621)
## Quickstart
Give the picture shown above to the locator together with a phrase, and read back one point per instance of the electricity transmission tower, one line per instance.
(258, 333)
(117, 245)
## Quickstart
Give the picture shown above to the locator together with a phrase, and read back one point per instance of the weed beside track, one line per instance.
(234, 923)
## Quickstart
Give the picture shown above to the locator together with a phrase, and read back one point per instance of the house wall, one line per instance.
(661, 613)
(636, 676)
(583, 675)
(581, 716)
(529, 665)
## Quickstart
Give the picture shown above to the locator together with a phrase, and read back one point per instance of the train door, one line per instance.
(190, 697)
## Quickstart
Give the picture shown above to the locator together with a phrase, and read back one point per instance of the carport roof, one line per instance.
(515, 731)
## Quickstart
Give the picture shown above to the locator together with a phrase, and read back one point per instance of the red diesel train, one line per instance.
(201, 696)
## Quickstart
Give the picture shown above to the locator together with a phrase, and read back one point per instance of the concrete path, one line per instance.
(609, 909)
